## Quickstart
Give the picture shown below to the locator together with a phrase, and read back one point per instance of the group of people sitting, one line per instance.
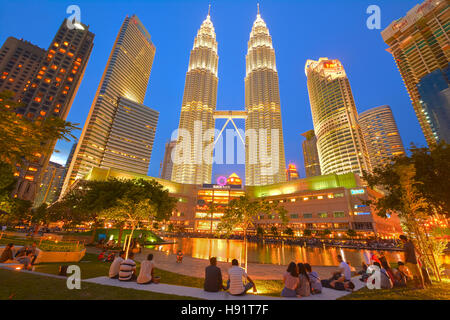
(301, 281)
(398, 277)
(26, 255)
(238, 282)
(124, 269)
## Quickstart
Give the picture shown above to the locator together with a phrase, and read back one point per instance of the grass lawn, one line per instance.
(438, 291)
(92, 268)
(24, 286)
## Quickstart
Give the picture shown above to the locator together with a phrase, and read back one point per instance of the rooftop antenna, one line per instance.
(258, 8)
(209, 9)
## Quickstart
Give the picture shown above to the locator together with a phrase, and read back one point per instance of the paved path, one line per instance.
(196, 267)
(327, 294)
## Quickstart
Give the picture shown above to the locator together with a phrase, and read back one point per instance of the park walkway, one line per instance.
(327, 294)
(194, 267)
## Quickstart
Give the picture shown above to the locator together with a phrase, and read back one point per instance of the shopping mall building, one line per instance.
(332, 202)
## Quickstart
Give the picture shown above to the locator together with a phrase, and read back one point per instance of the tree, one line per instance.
(289, 232)
(326, 232)
(351, 233)
(121, 201)
(21, 138)
(260, 231)
(307, 233)
(274, 231)
(243, 213)
(417, 189)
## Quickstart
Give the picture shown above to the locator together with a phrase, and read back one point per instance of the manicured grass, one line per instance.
(92, 268)
(438, 291)
(24, 286)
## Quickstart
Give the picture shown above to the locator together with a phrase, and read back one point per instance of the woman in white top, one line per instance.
(146, 272)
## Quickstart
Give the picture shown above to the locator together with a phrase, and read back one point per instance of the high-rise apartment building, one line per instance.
(51, 183)
(340, 142)
(264, 158)
(419, 43)
(19, 62)
(111, 136)
(381, 135)
(167, 164)
(192, 164)
(310, 154)
(131, 137)
(50, 93)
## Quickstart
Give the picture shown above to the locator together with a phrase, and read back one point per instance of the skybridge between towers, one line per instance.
(230, 116)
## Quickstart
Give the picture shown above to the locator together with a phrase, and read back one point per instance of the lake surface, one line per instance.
(226, 250)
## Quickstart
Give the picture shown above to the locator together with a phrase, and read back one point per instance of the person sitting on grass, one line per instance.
(7, 254)
(115, 266)
(344, 272)
(146, 275)
(291, 281)
(213, 277)
(102, 256)
(316, 285)
(304, 286)
(400, 275)
(385, 280)
(235, 284)
(127, 270)
(25, 259)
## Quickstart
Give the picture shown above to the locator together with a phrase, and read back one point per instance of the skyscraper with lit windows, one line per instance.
(119, 130)
(264, 159)
(50, 93)
(310, 154)
(340, 142)
(419, 43)
(381, 135)
(191, 164)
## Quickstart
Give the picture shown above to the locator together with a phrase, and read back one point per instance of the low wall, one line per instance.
(54, 256)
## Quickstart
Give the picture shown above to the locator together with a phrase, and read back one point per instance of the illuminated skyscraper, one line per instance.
(50, 186)
(119, 130)
(50, 92)
(19, 62)
(381, 135)
(291, 172)
(310, 154)
(264, 160)
(191, 165)
(340, 141)
(167, 164)
(420, 45)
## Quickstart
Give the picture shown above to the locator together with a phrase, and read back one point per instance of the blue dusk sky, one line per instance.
(300, 30)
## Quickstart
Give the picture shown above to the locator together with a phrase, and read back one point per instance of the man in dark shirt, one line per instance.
(411, 261)
(213, 277)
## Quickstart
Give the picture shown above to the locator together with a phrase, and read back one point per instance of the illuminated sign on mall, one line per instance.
(357, 191)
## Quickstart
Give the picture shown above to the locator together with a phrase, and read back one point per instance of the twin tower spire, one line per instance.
(264, 156)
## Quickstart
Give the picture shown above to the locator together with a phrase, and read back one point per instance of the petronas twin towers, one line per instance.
(264, 160)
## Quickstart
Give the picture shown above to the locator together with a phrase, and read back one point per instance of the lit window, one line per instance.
(37, 99)
(29, 178)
